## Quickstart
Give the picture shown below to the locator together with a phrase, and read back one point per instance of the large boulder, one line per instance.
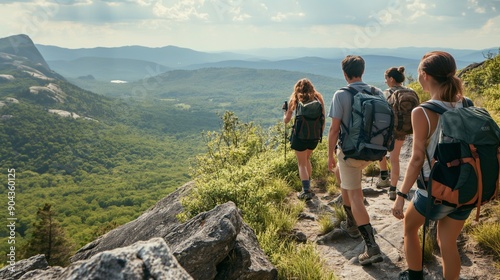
(247, 260)
(23, 266)
(206, 240)
(143, 260)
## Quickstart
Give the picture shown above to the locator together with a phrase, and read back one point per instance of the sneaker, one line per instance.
(392, 195)
(383, 183)
(353, 231)
(370, 255)
(306, 195)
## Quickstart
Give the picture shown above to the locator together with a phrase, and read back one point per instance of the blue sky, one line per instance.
(219, 25)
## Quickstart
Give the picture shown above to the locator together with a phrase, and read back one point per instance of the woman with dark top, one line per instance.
(304, 92)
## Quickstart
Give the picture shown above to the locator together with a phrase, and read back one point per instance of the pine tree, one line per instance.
(48, 238)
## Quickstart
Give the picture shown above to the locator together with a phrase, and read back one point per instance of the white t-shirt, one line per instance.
(434, 138)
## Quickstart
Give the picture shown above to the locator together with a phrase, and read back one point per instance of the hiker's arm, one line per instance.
(333, 136)
(288, 114)
(420, 132)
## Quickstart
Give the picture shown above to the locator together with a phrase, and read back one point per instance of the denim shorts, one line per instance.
(438, 211)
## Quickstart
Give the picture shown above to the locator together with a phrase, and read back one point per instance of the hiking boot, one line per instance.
(352, 231)
(371, 255)
(383, 183)
(306, 195)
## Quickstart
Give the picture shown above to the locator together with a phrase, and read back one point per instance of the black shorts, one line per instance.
(302, 145)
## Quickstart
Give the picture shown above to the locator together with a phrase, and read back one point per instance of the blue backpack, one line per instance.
(369, 134)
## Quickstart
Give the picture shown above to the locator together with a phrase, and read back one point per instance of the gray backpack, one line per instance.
(369, 134)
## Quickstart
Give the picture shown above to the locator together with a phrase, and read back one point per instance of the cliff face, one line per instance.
(213, 245)
(22, 46)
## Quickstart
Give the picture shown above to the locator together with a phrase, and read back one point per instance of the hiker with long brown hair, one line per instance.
(303, 93)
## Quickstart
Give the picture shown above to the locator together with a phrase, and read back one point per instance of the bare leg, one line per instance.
(413, 251)
(354, 199)
(383, 164)
(304, 163)
(448, 230)
(395, 162)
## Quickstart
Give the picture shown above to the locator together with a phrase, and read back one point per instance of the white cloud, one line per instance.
(280, 17)
(181, 11)
(234, 24)
(492, 26)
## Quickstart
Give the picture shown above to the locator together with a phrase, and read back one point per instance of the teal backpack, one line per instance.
(369, 134)
(466, 167)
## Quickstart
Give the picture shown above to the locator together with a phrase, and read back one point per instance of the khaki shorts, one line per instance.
(351, 171)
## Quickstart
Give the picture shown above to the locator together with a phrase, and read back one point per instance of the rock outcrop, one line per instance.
(22, 45)
(23, 266)
(216, 244)
(143, 260)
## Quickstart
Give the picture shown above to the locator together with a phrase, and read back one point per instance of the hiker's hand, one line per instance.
(285, 106)
(332, 164)
(397, 208)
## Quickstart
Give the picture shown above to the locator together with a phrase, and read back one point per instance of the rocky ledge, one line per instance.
(216, 244)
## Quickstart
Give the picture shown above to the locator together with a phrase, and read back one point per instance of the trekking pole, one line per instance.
(285, 108)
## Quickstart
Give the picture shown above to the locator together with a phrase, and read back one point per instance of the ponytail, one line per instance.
(442, 67)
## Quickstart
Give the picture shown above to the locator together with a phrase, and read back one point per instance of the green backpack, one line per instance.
(309, 121)
(466, 169)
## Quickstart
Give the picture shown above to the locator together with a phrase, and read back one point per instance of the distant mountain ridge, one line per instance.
(319, 61)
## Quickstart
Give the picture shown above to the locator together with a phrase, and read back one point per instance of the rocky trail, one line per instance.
(340, 252)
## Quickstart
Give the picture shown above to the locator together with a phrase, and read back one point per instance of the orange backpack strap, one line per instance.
(477, 167)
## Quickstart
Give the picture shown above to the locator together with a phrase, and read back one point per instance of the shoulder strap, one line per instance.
(350, 89)
(354, 91)
(433, 107)
(467, 102)
(391, 92)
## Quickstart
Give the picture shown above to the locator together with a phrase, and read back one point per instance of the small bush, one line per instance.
(429, 244)
(488, 237)
(326, 223)
(302, 262)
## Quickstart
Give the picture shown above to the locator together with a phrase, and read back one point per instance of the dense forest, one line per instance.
(97, 171)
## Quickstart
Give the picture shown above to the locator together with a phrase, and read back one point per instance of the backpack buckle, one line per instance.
(438, 201)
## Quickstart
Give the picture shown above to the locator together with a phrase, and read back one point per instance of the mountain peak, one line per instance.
(22, 45)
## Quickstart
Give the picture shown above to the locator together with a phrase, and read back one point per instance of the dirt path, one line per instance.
(340, 251)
